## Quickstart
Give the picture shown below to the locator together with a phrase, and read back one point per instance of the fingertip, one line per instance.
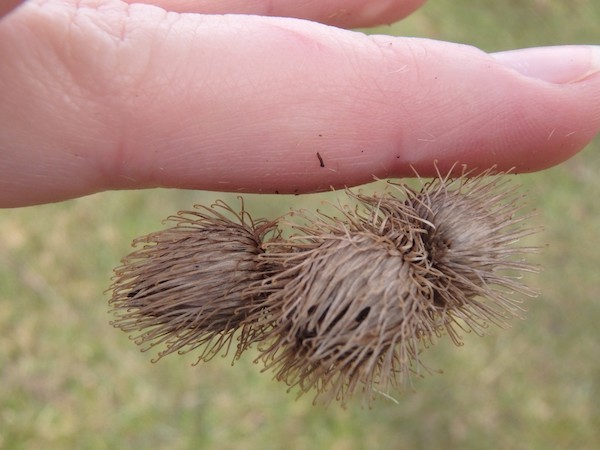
(558, 64)
(527, 109)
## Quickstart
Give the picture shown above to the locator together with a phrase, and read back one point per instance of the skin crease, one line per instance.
(101, 95)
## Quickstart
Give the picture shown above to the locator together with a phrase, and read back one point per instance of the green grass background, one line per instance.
(69, 380)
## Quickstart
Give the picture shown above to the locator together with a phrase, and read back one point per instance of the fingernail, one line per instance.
(560, 65)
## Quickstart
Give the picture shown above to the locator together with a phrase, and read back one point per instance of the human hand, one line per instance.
(110, 94)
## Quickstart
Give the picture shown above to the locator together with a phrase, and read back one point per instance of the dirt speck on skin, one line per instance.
(321, 162)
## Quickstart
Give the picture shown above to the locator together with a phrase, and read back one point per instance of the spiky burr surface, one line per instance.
(345, 303)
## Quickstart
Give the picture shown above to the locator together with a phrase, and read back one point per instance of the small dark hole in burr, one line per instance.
(362, 315)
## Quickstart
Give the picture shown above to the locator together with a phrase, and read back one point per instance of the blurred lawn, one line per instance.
(69, 380)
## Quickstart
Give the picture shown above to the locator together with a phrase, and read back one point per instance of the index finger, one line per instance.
(259, 104)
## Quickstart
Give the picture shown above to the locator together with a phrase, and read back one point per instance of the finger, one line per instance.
(7, 6)
(341, 13)
(133, 98)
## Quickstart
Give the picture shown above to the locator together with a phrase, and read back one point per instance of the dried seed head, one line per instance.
(184, 287)
(349, 308)
(471, 224)
(355, 300)
(346, 304)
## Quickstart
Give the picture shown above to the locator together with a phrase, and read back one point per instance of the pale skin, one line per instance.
(109, 94)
